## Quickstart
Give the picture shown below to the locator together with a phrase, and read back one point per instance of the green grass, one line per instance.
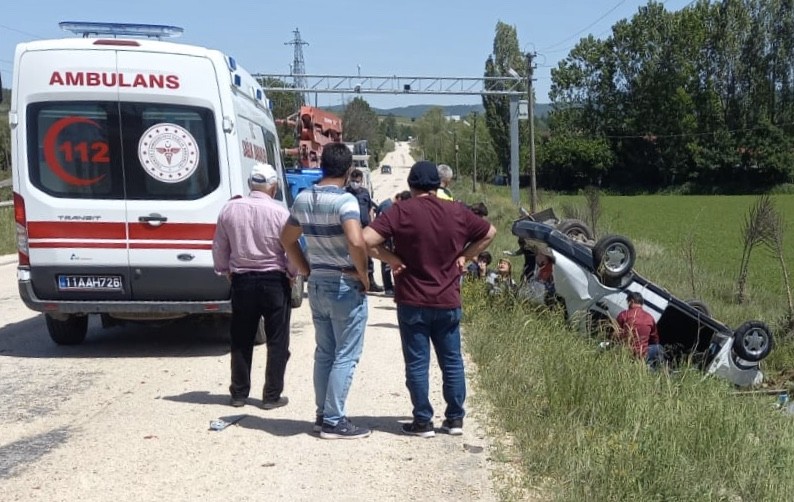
(598, 425)
(7, 231)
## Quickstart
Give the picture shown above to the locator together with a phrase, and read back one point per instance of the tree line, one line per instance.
(702, 97)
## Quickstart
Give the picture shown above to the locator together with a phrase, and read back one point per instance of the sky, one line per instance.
(428, 38)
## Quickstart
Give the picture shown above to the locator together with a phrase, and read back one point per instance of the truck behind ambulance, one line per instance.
(124, 149)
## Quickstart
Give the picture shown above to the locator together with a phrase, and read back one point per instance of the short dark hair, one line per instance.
(357, 174)
(480, 209)
(485, 256)
(336, 160)
(635, 297)
(404, 195)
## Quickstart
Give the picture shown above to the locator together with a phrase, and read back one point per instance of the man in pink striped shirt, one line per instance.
(247, 249)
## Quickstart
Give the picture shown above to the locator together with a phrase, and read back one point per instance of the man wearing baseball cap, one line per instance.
(433, 239)
(247, 248)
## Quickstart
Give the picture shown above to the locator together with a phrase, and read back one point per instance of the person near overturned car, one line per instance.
(445, 174)
(247, 248)
(433, 239)
(385, 268)
(328, 217)
(637, 329)
(366, 206)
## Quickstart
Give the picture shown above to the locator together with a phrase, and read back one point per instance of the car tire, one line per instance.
(576, 230)
(71, 331)
(261, 336)
(700, 306)
(613, 257)
(296, 295)
(753, 341)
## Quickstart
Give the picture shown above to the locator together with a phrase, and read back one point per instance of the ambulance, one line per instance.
(124, 149)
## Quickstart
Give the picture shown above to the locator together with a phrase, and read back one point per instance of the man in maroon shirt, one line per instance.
(433, 239)
(638, 330)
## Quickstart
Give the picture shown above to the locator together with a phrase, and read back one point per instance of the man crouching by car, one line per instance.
(637, 329)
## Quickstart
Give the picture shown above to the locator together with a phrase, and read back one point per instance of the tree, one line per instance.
(506, 55)
(360, 122)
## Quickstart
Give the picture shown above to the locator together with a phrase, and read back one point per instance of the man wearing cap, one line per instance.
(433, 239)
(247, 248)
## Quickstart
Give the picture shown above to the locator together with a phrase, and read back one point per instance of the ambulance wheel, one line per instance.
(70, 331)
(296, 296)
(261, 337)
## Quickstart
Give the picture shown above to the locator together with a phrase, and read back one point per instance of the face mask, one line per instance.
(355, 185)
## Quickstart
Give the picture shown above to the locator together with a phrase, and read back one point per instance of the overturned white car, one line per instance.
(593, 283)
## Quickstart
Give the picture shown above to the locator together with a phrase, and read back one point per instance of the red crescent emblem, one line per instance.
(51, 157)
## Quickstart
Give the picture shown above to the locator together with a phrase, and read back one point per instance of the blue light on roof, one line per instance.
(259, 94)
(237, 80)
(87, 29)
(230, 61)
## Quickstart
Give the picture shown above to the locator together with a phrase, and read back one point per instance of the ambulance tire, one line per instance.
(70, 331)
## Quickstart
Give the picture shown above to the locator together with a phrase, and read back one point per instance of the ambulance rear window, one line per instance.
(110, 150)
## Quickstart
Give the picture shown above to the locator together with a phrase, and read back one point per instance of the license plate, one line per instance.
(89, 282)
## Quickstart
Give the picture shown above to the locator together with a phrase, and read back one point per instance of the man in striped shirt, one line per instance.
(329, 218)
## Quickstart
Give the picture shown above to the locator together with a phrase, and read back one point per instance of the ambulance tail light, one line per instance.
(22, 230)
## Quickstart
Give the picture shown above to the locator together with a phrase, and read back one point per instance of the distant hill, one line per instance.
(416, 111)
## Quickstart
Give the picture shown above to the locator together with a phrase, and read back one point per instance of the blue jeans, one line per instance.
(655, 356)
(339, 312)
(419, 326)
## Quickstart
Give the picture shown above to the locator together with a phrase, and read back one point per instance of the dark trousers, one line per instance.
(255, 295)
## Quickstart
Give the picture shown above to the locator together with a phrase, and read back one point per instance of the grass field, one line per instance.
(598, 425)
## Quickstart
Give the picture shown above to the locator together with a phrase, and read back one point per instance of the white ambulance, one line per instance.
(124, 149)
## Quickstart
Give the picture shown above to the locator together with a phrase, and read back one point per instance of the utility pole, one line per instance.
(474, 171)
(533, 188)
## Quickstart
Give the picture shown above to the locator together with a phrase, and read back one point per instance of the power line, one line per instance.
(610, 11)
(20, 31)
(692, 134)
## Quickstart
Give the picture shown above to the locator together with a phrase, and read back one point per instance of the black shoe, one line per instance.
(318, 424)
(389, 292)
(420, 429)
(276, 403)
(453, 427)
(374, 288)
(237, 402)
(344, 429)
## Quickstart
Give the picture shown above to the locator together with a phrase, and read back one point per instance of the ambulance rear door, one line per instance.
(177, 175)
(70, 174)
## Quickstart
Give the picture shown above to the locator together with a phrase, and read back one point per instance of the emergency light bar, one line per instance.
(86, 29)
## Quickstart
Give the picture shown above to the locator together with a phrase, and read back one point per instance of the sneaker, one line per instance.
(420, 429)
(237, 402)
(343, 430)
(389, 292)
(278, 403)
(452, 426)
(318, 424)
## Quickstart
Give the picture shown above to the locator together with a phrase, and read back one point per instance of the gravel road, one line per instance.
(125, 415)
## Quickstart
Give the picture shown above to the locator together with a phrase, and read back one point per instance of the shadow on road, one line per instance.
(386, 308)
(199, 397)
(183, 338)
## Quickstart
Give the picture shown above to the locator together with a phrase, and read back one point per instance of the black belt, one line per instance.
(267, 273)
